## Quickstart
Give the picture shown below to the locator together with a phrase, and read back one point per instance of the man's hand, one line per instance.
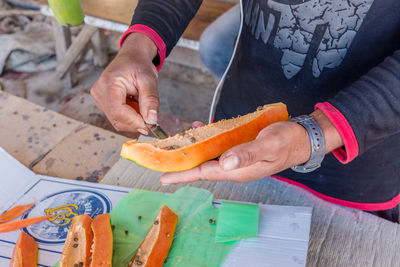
(131, 73)
(276, 148)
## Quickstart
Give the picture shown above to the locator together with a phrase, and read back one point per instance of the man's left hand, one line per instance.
(277, 147)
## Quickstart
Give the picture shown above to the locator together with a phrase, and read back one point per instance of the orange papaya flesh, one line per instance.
(102, 248)
(25, 252)
(12, 226)
(195, 146)
(154, 249)
(15, 212)
(76, 251)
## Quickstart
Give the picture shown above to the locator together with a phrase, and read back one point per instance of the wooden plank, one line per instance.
(77, 47)
(29, 131)
(62, 40)
(99, 48)
(85, 154)
(122, 11)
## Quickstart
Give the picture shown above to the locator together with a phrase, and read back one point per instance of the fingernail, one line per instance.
(143, 131)
(230, 163)
(152, 117)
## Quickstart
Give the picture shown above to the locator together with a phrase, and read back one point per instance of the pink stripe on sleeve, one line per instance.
(355, 205)
(350, 150)
(161, 47)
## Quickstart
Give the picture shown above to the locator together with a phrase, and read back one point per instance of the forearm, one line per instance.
(141, 43)
(333, 140)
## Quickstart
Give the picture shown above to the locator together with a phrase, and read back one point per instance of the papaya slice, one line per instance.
(25, 252)
(12, 226)
(102, 249)
(15, 212)
(76, 252)
(195, 146)
(153, 251)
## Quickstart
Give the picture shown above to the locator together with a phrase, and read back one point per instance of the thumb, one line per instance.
(242, 156)
(148, 98)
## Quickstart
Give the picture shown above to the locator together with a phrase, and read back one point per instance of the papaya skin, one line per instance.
(190, 156)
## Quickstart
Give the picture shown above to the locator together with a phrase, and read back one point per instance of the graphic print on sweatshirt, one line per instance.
(292, 25)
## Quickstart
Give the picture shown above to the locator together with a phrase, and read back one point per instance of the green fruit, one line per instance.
(67, 12)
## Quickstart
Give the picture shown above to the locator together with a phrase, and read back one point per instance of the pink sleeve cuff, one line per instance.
(350, 150)
(161, 47)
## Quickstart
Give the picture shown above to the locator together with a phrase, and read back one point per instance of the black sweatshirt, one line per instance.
(340, 56)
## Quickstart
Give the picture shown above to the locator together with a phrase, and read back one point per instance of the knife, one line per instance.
(154, 128)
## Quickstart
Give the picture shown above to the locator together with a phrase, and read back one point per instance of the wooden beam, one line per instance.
(78, 45)
(122, 10)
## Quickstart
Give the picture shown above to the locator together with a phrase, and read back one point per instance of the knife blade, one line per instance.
(156, 129)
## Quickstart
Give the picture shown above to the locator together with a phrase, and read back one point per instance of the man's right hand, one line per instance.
(132, 74)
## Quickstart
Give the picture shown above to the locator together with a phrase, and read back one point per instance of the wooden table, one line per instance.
(52, 144)
(55, 145)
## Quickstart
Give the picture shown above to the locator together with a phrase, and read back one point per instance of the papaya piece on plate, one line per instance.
(195, 146)
(15, 225)
(153, 251)
(25, 252)
(102, 248)
(15, 212)
(78, 244)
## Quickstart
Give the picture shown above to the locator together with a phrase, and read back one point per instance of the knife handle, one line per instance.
(133, 104)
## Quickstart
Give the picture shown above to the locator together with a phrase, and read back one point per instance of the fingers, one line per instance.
(125, 118)
(128, 77)
(112, 101)
(213, 172)
(197, 124)
(243, 155)
(148, 97)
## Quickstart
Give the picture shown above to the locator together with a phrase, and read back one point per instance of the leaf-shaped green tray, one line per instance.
(194, 241)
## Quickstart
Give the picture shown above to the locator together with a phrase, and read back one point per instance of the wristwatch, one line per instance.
(317, 141)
